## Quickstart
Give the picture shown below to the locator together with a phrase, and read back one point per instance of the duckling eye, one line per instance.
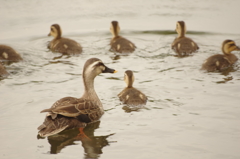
(51, 29)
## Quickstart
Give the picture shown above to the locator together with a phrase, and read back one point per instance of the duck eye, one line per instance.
(100, 64)
(51, 29)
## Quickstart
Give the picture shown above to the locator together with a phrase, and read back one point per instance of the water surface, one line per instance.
(189, 114)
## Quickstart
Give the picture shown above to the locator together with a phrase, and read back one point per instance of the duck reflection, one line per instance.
(92, 144)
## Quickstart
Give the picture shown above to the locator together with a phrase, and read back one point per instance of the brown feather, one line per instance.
(122, 45)
(53, 126)
(183, 46)
(3, 71)
(219, 62)
(7, 53)
(59, 45)
(132, 97)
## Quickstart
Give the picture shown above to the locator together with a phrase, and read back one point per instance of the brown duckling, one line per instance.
(7, 53)
(118, 43)
(130, 95)
(71, 112)
(182, 45)
(219, 62)
(3, 71)
(62, 45)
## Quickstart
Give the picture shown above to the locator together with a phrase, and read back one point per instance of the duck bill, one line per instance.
(49, 34)
(109, 70)
(237, 48)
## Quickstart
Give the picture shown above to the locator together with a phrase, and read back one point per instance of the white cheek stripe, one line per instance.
(90, 67)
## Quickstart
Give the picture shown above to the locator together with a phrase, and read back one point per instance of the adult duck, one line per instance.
(71, 112)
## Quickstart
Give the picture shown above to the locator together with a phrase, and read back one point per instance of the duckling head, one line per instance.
(129, 78)
(181, 28)
(55, 31)
(115, 29)
(228, 46)
(94, 67)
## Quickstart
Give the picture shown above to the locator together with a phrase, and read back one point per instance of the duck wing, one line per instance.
(67, 113)
(122, 45)
(216, 62)
(53, 126)
(74, 107)
(132, 97)
(184, 46)
(65, 46)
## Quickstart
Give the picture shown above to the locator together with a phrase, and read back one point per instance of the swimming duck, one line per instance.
(3, 71)
(130, 95)
(222, 61)
(7, 53)
(71, 112)
(118, 43)
(182, 45)
(62, 45)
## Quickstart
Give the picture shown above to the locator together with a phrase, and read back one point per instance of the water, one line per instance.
(189, 114)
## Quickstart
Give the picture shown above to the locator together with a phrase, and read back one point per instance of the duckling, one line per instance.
(7, 53)
(222, 61)
(3, 71)
(71, 112)
(118, 43)
(62, 45)
(130, 95)
(182, 45)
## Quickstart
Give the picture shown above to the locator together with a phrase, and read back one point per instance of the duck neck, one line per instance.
(89, 91)
(115, 35)
(226, 51)
(181, 34)
(57, 37)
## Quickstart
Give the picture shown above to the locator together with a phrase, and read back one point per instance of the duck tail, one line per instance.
(46, 110)
(52, 126)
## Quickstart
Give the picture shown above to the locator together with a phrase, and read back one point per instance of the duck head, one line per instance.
(115, 29)
(228, 46)
(129, 78)
(181, 28)
(55, 31)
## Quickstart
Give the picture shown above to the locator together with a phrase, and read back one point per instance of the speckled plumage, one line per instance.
(70, 112)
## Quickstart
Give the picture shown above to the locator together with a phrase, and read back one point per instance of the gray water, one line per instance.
(190, 114)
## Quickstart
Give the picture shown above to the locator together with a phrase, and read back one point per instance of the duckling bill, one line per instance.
(71, 112)
(220, 62)
(130, 95)
(61, 44)
(183, 45)
(118, 43)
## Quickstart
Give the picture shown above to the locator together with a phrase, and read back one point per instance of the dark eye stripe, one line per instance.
(231, 45)
(99, 64)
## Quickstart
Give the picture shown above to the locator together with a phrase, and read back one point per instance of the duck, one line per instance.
(70, 112)
(118, 43)
(130, 95)
(8, 54)
(183, 45)
(220, 62)
(3, 71)
(61, 44)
